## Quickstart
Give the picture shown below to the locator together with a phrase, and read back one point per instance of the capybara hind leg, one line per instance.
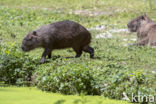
(78, 52)
(89, 50)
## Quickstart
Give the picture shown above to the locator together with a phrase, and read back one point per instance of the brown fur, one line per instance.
(59, 35)
(145, 28)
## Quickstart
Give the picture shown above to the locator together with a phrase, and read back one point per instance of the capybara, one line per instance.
(145, 28)
(59, 35)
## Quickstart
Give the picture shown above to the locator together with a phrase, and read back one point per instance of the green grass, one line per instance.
(29, 95)
(18, 17)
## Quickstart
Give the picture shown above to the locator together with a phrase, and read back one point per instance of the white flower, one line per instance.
(125, 39)
(125, 45)
(105, 35)
(118, 30)
(153, 72)
(134, 39)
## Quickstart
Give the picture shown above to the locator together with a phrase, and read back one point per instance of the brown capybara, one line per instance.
(59, 35)
(145, 28)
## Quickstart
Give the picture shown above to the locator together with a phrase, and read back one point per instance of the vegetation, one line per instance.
(15, 66)
(117, 68)
(24, 95)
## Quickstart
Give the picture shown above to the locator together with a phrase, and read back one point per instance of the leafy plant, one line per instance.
(109, 79)
(67, 79)
(15, 66)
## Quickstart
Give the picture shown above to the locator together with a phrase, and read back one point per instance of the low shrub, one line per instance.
(68, 79)
(109, 79)
(15, 66)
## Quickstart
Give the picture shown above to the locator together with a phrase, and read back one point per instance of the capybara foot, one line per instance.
(92, 56)
(77, 56)
(42, 60)
(90, 50)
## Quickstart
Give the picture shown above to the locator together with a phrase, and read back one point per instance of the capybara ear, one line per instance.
(34, 33)
(143, 17)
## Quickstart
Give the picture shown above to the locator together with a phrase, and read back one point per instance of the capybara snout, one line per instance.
(134, 24)
(30, 42)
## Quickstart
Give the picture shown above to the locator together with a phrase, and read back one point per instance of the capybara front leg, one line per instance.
(143, 42)
(45, 53)
(78, 53)
(49, 56)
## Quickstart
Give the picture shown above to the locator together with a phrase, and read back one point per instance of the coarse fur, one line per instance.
(59, 35)
(145, 28)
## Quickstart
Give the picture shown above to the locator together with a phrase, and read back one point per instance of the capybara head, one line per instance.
(135, 24)
(30, 41)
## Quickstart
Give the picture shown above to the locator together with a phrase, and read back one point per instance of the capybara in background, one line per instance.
(145, 28)
(59, 35)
